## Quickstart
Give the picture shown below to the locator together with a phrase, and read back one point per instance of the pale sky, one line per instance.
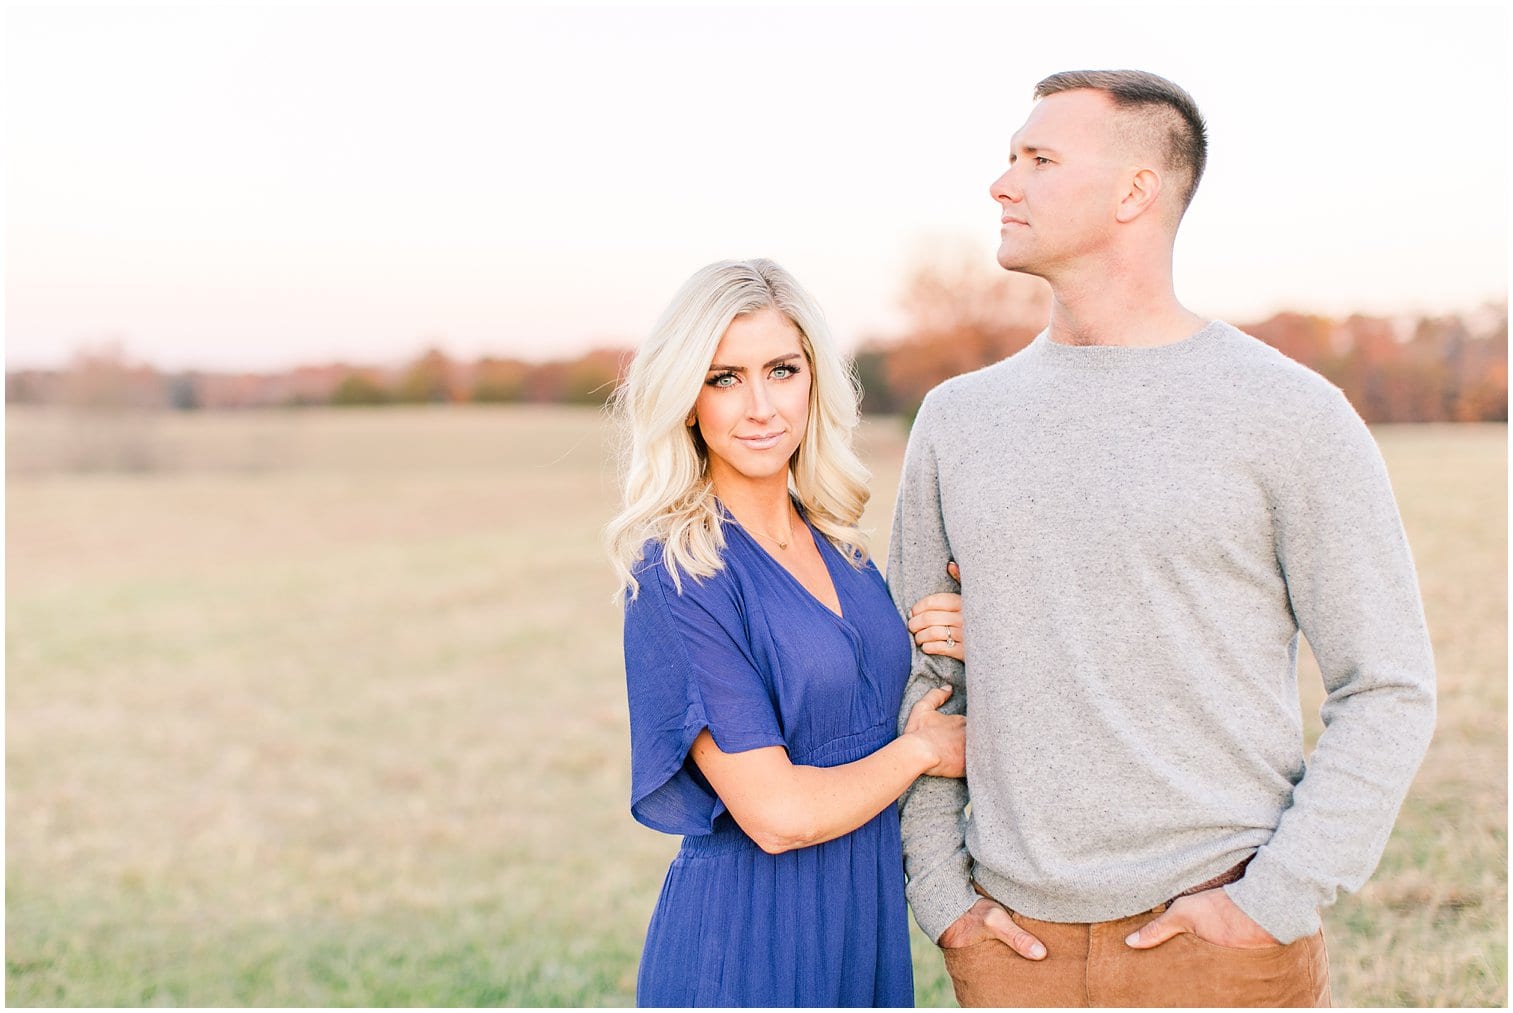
(223, 188)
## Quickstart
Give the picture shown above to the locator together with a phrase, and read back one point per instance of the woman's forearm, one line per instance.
(783, 806)
(830, 802)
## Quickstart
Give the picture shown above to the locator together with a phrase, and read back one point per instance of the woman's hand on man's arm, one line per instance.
(935, 621)
(782, 806)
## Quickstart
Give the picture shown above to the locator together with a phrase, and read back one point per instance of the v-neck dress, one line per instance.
(753, 656)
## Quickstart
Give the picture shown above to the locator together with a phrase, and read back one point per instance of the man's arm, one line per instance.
(933, 809)
(1355, 594)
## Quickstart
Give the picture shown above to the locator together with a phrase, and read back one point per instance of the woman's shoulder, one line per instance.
(676, 584)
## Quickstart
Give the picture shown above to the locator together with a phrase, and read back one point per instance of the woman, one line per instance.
(765, 662)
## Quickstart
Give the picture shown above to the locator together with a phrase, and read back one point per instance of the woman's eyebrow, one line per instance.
(715, 367)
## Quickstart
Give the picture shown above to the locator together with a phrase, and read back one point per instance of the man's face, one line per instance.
(1064, 181)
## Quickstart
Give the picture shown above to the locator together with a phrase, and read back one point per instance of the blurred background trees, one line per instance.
(958, 315)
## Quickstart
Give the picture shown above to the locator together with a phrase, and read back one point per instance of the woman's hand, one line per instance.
(935, 621)
(945, 735)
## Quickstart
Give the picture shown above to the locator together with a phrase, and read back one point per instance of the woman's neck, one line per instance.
(761, 507)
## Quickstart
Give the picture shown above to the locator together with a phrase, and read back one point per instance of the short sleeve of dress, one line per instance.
(688, 666)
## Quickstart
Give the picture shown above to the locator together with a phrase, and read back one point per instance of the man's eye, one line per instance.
(1042, 160)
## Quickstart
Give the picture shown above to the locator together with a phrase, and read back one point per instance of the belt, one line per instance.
(1220, 880)
(1223, 878)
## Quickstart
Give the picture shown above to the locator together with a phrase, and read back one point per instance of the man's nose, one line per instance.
(1002, 188)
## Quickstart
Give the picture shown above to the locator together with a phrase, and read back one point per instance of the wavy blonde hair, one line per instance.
(666, 494)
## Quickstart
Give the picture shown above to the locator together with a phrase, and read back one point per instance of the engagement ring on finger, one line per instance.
(950, 638)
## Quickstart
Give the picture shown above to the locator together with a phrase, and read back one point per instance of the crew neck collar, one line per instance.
(1124, 356)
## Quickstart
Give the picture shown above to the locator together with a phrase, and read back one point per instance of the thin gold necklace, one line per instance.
(782, 544)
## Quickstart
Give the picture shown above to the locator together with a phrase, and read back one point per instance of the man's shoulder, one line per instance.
(967, 391)
(1282, 382)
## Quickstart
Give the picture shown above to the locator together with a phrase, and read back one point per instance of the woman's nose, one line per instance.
(761, 405)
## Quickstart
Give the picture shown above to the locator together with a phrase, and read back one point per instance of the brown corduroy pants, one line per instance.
(1088, 964)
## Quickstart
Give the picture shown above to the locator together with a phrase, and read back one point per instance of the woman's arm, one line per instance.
(783, 806)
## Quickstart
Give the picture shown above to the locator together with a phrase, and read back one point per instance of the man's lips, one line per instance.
(1007, 221)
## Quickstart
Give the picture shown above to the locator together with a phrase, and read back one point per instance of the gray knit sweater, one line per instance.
(1142, 533)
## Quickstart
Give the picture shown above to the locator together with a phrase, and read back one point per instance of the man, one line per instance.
(1147, 507)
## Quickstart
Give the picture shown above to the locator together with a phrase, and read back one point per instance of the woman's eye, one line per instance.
(723, 380)
(783, 372)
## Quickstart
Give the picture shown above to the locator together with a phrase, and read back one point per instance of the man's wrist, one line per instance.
(941, 908)
(950, 935)
(1276, 905)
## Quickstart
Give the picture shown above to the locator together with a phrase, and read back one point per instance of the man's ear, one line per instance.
(1140, 196)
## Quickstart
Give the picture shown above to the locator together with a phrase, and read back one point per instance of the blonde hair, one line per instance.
(667, 496)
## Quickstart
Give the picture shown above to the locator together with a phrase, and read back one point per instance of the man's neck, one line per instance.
(1119, 307)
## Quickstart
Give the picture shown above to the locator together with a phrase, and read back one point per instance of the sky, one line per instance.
(224, 188)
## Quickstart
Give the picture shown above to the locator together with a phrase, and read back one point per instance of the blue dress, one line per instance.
(751, 655)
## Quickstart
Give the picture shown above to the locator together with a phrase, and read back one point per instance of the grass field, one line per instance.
(326, 708)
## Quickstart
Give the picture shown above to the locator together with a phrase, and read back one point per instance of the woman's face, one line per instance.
(754, 406)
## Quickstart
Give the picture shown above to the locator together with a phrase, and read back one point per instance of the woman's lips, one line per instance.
(765, 442)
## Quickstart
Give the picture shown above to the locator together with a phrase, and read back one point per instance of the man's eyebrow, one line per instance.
(715, 367)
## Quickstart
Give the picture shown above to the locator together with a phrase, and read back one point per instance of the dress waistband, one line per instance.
(846, 748)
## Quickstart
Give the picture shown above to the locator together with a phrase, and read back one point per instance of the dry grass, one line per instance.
(326, 708)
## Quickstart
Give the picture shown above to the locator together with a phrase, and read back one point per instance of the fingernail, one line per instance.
(1037, 951)
(1132, 939)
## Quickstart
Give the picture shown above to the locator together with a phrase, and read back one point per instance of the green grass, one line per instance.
(326, 708)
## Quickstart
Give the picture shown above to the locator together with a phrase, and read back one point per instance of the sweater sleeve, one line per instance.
(1351, 582)
(932, 811)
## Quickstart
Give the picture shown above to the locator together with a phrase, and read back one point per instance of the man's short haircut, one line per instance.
(1166, 106)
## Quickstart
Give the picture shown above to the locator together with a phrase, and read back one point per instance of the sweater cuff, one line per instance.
(942, 897)
(1274, 900)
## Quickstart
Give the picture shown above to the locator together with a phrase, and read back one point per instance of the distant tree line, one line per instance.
(958, 315)
(962, 316)
(106, 378)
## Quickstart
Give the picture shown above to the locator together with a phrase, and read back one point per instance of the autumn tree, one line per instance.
(592, 377)
(427, 380)
(113, 401)
(1305, 338)
(101, 378)
(962, 314)
(499, 380)
(360, 388)
(1432, 369)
